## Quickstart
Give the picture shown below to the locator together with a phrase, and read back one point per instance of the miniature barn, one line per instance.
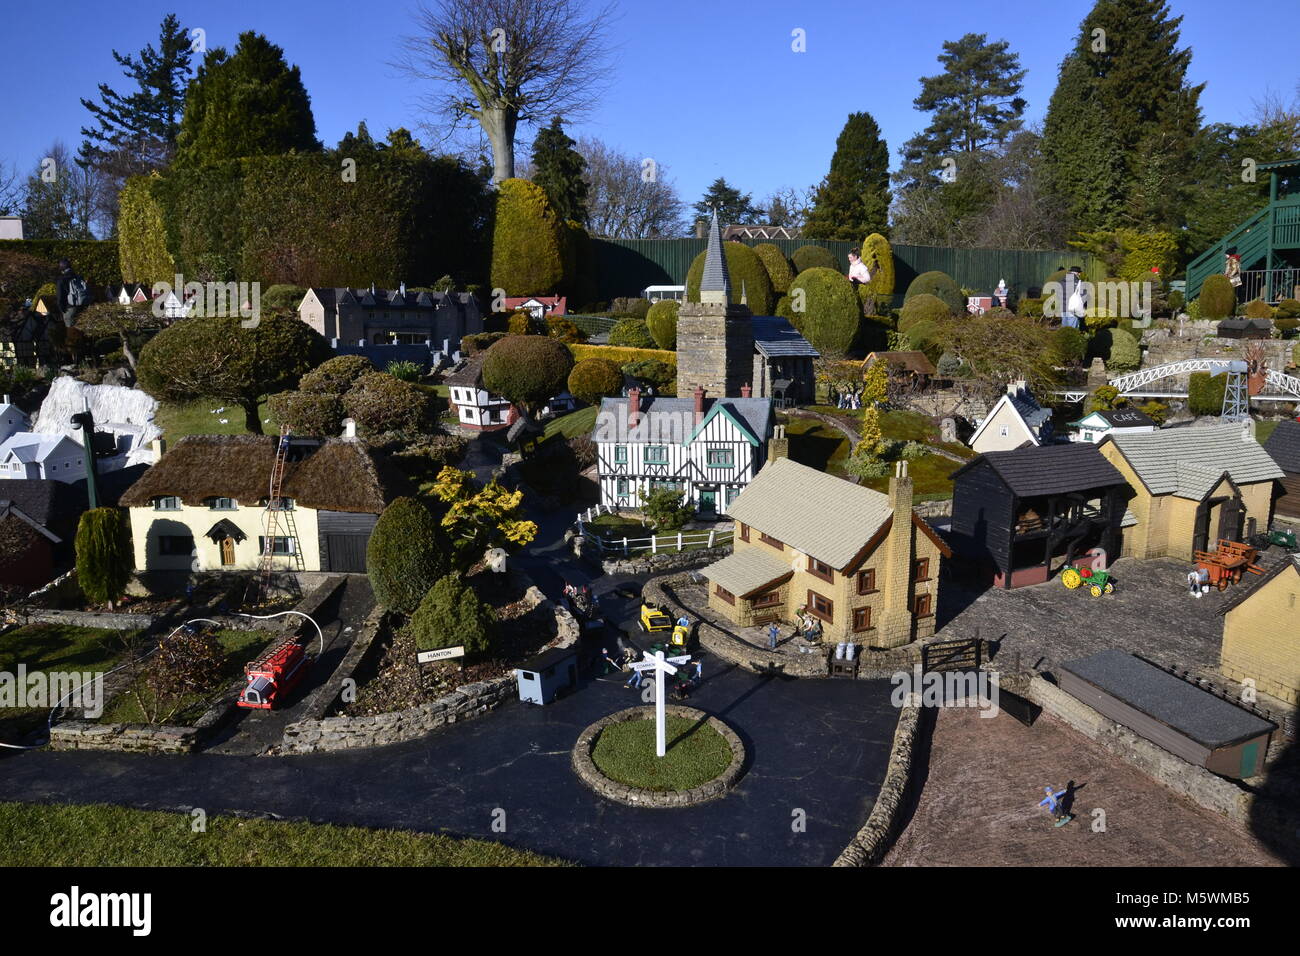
(1260, 639)
(1021, 515)
(1168, 711)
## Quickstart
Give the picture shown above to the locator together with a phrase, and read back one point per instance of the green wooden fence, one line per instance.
(626, 266)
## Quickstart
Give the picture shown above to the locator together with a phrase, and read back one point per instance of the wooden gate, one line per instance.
(960, 655)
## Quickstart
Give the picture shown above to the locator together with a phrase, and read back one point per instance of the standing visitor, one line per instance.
(73, 294)
(1076, 298)
(859, 274)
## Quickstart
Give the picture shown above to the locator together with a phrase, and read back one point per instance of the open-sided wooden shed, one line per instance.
(1171, 713)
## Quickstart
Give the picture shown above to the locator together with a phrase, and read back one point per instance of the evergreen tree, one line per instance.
(249, 104)
(559, 169)
(853, 199)
(104, 559)
(1121, 127)
(733, 206)
(975, 105)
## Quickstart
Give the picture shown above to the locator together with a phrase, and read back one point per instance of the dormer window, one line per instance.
(167, 503)
(222, 504)
(278, 504)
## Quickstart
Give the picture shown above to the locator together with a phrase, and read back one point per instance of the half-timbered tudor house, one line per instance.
(707, 448)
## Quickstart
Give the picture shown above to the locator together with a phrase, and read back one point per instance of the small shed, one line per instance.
(1284, 448)
(1168, 711)
(1242, 328)
(548, 675)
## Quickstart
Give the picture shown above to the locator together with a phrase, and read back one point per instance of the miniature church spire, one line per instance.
(715, 284)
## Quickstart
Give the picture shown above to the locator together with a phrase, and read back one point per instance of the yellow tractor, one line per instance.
(654, 620)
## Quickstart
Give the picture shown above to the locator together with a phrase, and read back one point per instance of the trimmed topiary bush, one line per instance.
(662, 323)
(337, 375)
(748, 276)
(814, 257)
(480, 342)
(593, 379)
(1218, 298)
(879, 257)
(1288, 309)
(528, 241)
(1205, 393)
(528, 370)
(777, 265)
(1124, 353)
(632, 334)
(832, 315)
(308, 413)
(1067, 346)
(941, 286)
(1258, 309)
(104, 558)
(405, 556)
(922, 308)
(451, 615)
(384, 407)
(657, 373)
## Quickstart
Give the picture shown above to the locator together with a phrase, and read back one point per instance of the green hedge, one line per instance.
(814, 257)
(529, 242)
(832, 314)
(294, 219)
(621, 356)
(777, 265)
(940, 285)
(1218, 297)
(95, 260)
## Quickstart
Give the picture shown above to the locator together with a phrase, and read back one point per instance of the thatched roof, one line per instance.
(338, 475)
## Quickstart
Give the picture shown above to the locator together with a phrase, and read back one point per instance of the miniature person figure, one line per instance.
(1232, 266)
(773, 632)
(635, 680)
(859, 274)
(1000, 294)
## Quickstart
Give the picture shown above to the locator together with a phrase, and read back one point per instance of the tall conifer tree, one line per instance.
(853, 200)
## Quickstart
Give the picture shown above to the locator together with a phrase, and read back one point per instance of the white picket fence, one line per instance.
(653, 544)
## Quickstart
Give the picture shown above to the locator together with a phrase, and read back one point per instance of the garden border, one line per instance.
(610, 789)
(869, 846)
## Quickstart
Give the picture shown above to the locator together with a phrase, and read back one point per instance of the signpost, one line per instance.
(442, 654)
(660, 666)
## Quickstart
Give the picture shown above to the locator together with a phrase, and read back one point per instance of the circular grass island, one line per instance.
(616, 757)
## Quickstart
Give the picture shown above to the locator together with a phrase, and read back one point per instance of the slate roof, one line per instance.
(1177, 460)
(1049, 469)
(1246, 590)
(1125, 418)
(7, 408)
(1283, 446)
(1029, 409)
(1195, 713)
(32, 446)
(387, 298)
(672, 419)
(749, 569)
(469, 375)
(777, 338)
(715, 277)
(816, 513)
(43, 500)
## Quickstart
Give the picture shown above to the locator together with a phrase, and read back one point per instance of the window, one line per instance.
(821, 607)
(922, 606)
(921, 569)
(656, 454)
(621, 488)
(720, 458)
(772, 541)
(723, 593)
(867, 581)
(168, 503)
(281, 545)
(175, 544)
(279, 504)
(821, 569)
(1004, 431)
(744, 531)
(733, 492)
(677, 486)
(769, 599)
(221, 504)
(620, 454)
(862, 619)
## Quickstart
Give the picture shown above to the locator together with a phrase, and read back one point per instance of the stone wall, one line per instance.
(664, 562)
(870, 844)
(132, 738)
(97, 619)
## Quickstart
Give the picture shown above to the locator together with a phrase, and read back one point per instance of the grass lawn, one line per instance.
(1264, 429)
(903, 425)
(573, 424)
(929, 475)
(196, 418)
(240, 648)
(696, 754)
(817, 444)
(53, 647)
(98, 835)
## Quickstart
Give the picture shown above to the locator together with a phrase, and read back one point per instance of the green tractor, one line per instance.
(1097, 582)
(1282, 537)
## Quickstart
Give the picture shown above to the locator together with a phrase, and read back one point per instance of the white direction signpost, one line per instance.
(442, 654)
(660, 666)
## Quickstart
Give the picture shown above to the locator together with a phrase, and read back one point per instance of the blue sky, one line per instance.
(706, 87)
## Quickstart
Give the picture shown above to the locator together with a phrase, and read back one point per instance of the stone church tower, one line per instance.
(715, 339)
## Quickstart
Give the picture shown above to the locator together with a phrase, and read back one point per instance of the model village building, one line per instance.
(708, 449)
(1096, 425)
(476, 408)
(1192, 486)
(862, 563)
(1261, 641)
(204, 507)
(390, 316)
(1283, 447)
(1019, 516)
(1014, 421)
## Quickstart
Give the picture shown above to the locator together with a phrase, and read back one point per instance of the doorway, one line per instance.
(227, 552)
(709, 503)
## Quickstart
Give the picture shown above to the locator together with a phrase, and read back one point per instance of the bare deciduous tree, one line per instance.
(627, 197)
(506, 62)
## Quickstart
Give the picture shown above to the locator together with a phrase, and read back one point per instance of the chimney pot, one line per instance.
(349, 428)
(699, 405)
(633, 407)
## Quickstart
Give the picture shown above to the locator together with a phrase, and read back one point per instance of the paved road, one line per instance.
(818, 746)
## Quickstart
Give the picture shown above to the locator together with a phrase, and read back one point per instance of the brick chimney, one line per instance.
(745, 390)
(778, 446)
(895, 627)
(633, 407)
(699, 405)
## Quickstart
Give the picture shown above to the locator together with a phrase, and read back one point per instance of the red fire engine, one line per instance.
(274, 674)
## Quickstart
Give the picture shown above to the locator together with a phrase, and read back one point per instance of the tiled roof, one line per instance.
(387, 298)
(1050, 469)
(1125, 418)
(1171, 700)
(1029, 409)
(1157, 457)
(41, 500)
(823, 516)
(672, 419)
(468, 375)
(31, 446)
(715, 277)
(775, 337)
(1247, 589)
(1283, 445)
(747, 570)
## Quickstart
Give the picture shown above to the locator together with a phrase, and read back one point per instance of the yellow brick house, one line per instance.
(1191, 486)
(1261, 634)
(863, 563)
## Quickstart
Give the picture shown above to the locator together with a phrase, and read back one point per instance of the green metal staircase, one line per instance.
(1251, 240)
